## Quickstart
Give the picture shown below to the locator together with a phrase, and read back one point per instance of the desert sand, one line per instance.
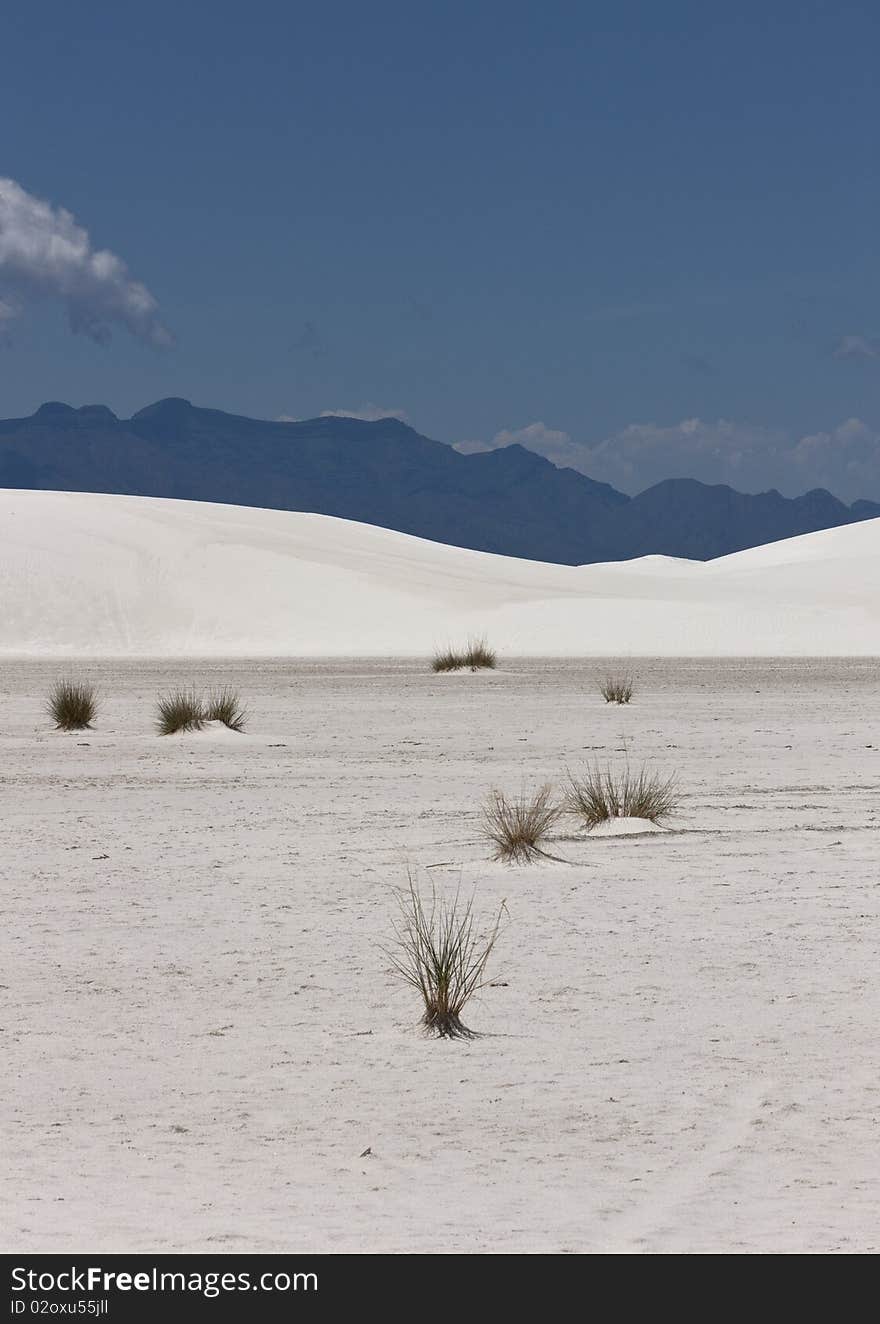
(91, 575)
(201, 1036)
(204, 1046)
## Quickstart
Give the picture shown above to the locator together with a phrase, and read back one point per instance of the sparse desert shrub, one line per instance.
(181, 710)
(441, 952)
(476, 655)
(72, 705)
(518, 826)
(447, 659)
(479, 654)
(597, 795)
(225, 706)
(616, 688)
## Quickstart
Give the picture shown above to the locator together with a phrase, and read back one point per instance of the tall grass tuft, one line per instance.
(475, 656)
(478, 655)
(441, 952)
(447, 659)
(72, 705)
(225, 706)
(597, 795)
(181, 710)
(616, 688)
(519, 826)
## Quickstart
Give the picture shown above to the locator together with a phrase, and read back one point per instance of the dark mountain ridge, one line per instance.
(510, 501)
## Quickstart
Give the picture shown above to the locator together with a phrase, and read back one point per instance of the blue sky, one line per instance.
(646, 232)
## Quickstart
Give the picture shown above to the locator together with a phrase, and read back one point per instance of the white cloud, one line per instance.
(845, 460)
(44, 253)
(368, 413)
(856, 347)
(535, 437)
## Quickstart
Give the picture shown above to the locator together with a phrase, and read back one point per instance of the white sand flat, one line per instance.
(625, 827)
(200, 1034)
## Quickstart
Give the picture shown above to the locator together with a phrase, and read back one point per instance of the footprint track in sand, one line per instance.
(666, 1192)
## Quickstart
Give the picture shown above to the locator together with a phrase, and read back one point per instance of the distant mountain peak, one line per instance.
(54, 413)
(54, 409)
(96, 414)
(172, 406)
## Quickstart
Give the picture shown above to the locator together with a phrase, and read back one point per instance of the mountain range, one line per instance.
(509, 501)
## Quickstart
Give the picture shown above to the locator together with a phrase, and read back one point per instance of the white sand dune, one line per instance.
(96, 575)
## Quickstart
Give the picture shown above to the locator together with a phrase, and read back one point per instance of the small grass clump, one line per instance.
(479, 655)
(518, 826)
(475, 656)
(181, 710)
(616, 688)
(225, 706)
(73, 705)
(441, 952)
(447, 660)
(597, 795)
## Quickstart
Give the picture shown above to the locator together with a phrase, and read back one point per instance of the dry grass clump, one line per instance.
(447, 660)
(187, 710)
(441, 952)
(225, 706)
(72, 705)
(181, 710)
(616, 688)
(597, 795)
(518, 826)
(476, 655)
(479, 654)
